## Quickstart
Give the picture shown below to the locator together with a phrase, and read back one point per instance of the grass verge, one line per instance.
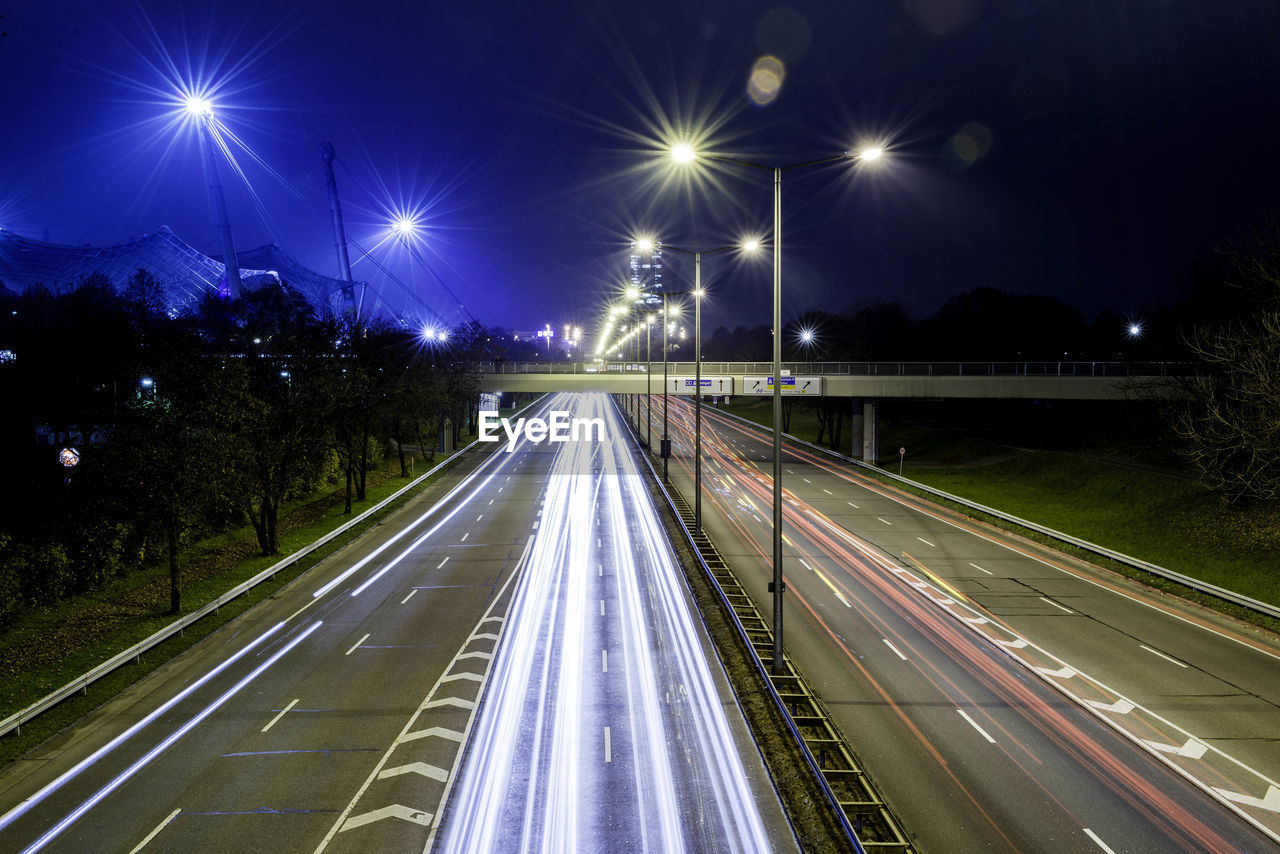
(49, 647)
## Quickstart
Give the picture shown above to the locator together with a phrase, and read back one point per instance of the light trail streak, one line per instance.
(885, 601)
(74, 771)
(671, 778)
(164, 745)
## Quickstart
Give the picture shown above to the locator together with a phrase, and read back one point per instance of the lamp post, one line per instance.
(648, 381)
(685, 153)
(746, 246)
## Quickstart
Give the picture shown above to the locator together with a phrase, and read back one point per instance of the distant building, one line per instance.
(184, 273)
(646, 272)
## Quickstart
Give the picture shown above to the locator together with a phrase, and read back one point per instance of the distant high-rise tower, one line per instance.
(646, 271)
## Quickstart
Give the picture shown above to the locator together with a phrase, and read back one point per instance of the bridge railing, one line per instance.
(871, 369)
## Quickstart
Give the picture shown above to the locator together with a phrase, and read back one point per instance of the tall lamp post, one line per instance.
(747, 246)
(685, 153)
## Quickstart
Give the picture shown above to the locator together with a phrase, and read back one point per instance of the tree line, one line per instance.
(190, 424)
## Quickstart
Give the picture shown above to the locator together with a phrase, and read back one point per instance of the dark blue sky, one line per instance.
(1087, 149)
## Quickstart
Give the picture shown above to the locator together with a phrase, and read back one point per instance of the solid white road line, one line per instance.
(272, 722)
(356, 644)
(974, 724)
(1056, 605)
(159, 827)
(410, 596)
(896, 651)
(1104, 846)
(1161, 654)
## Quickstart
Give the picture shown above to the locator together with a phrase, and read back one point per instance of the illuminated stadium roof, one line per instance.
(183, 272)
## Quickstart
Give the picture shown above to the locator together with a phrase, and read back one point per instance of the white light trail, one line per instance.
(74, 771)
(137, 766)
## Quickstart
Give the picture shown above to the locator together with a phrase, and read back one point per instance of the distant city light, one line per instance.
(147, 382)
(1135, 330)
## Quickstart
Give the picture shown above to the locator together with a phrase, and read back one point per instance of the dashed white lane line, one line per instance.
(464, 537)
(926, 542)
(608, 751)
(604, 661)
(410, 596)
(974, 724)
(602, 607)
(828, 492)
(442, 563)
(481, 516)
(987, 571)
(356, 644)
(806, 480)
(896, 651)
(1056, 605)
(1104, 846)
(272, 722)
(159, 827)
(491, 500)
(854, 506)
(1162, 655)
(886, 521)
(600, 570)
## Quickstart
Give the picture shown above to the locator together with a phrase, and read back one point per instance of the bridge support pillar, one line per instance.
(863, 429)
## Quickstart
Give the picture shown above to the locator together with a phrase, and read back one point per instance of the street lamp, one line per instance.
(200, 110)
(748, 245)
(684, 153)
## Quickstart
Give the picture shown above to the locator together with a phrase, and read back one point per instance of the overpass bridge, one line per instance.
(1026, 380)
(863, 382)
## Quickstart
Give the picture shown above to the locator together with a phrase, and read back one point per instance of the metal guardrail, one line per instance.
(81, 683)
(1119, 557)
(834, 763)
(868, 369)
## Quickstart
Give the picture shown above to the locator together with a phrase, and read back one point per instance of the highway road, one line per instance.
(1003, 697)
(334, 717)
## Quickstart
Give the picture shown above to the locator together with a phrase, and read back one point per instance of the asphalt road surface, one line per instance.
(1003, 697)
(335, 716)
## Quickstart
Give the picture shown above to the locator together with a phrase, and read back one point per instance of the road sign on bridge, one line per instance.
(710, 385)
(808, 386)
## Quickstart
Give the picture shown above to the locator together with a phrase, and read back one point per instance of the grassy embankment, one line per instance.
(48, 647)
(1155, 515)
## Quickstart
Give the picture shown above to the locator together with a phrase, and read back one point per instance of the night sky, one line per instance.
(1091, 150)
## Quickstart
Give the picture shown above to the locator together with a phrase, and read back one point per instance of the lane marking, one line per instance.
(441, 564)
(1056, 605)
(1104, 846)
(926, 542)
(604, 661)
(491, 500)
(602, 607)
(464, 537)
(440, 775)
(974, 724)
(1120, 707)
(1192, 749)
(805, 565)
(896, 651)
(806, 480)
(828, 492)
(394, 811)
(987, 571)
(1162, 655)
(1269, 801)
(854, 506)
(357, 643)
(159, 827)
(608, 750)
(410, 596)
(600, 570)
(272, 722)
(481, 516)
(886, 521)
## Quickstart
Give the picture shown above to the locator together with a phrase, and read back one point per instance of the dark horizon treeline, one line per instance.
(193, 424)
(985, 324)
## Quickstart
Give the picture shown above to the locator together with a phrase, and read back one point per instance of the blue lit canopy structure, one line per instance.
(184, 273)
